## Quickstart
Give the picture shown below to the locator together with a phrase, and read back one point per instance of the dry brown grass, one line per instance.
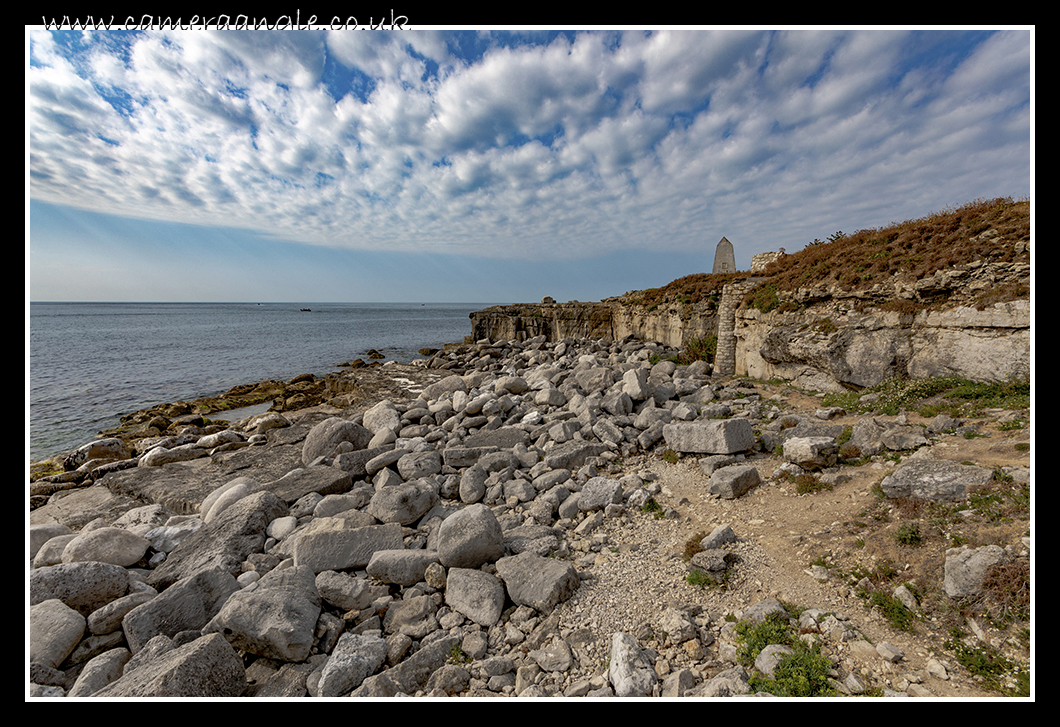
(697, 288)
(910, 250)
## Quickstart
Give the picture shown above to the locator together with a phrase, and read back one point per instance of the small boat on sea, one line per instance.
(306, 310)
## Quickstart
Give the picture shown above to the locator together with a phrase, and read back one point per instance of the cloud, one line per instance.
(525, 144)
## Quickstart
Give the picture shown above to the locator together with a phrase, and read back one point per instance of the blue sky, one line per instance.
(493, 166)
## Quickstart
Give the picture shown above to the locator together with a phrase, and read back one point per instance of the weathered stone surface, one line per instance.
(207, 667)
(354, 659)
(470, 537)
(723, 436)
(382, 416)
(324, 479)
(411, 674)
(331, 544)
(83, 586)
(630, 672)
(541, 583)
(274, 617)
(344, 591)
(99, 672)
(934, 479)
(107, 545)
(224, 543)
(733, 481)
(811, 453)
(404, 504)
(966, 567)
(326, 436)
(108, 618)
(54, 632)
(598, 493)
(187, 605)
(475, 594)
(415, 465)
(402, 567)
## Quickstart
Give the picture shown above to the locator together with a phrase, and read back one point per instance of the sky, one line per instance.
(493, 166)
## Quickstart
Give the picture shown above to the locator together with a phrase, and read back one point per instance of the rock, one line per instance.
(206, 667)
(402, 567)
(382, 416)
(411, 674)
(354, 659)
(598, 493)
(811, 453)
(274, 617)
(326, 436)
(224, 543)
(770, 656)
(415, 465)
(630, 672)
(54, 632)
(724, 436)
(733, 481)
(107, 545)
(966, 567)
(475, 594)
(83, 586)
(470, 537)
(330, 544)
(403, 504)
(99, 672)
(187, 605)
(934, 479)
(344, 591)
(541, 583)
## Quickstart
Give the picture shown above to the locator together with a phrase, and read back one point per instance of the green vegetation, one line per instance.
(948, 394)
(909, 534)
(998, 672)
(803, 673)
(699, 578)
(457, 655)
(653, 508)
(891, 609)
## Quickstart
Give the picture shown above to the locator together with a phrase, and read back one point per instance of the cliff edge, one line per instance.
(943, 295)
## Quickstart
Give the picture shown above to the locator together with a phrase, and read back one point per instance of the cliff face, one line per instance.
(609, 320)
(820, 338)
(832, 348)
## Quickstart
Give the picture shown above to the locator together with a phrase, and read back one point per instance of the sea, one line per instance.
(91, 363)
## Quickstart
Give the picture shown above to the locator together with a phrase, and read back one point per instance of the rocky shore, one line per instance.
(578, 518)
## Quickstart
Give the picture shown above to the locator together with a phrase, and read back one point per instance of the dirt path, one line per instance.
(846, 529)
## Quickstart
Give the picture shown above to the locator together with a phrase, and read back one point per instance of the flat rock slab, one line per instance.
(330, 544)
(935, 479)
(733, 481)
(77, 508)
(721, 436)
(321, 478)
(182, 486)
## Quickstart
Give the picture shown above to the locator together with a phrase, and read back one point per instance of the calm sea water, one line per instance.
(92, 362)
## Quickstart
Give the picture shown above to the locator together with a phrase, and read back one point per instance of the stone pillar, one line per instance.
(731, 297)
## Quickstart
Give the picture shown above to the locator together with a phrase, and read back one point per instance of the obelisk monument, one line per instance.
(724, 260)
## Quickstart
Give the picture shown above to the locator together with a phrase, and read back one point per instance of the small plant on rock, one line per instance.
(653, 508)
